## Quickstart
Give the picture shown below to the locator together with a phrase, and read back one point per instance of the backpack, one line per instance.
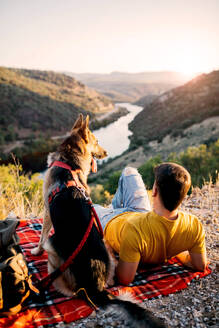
(15, 282)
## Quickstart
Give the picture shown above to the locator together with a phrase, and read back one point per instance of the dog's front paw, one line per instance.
(37, 251)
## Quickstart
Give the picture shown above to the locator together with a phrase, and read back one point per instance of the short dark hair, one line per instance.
(173, 182)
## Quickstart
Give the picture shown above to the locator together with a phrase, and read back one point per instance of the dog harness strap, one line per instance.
(97, 221)
(45, 282)
(64, 166)
(70, 259)
(72, 183)
(60, 164)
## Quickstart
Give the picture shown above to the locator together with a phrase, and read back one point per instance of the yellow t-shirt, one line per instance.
(150, 238)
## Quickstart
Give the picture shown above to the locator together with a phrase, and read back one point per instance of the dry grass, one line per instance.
(204, 203)
(20, 194)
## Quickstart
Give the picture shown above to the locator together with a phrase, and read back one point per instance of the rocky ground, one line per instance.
(196, 306)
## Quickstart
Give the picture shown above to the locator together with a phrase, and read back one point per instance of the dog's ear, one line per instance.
(78, 122)
(87, 120)
(82, 127)
(84, 130)
(86, 124)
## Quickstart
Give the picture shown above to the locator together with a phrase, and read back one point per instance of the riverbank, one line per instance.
(100, 121)
(108, 118)
(32, 153)
(115, 137)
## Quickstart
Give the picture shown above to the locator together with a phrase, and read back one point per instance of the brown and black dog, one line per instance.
(69, 214)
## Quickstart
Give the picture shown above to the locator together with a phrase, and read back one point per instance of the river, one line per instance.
(115, 136)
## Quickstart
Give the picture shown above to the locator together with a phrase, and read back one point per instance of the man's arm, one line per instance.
(193, 260)
(125, 271)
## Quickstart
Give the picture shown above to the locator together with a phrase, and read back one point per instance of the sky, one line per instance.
(101, 36)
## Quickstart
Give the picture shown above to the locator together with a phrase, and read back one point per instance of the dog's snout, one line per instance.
(104, 153)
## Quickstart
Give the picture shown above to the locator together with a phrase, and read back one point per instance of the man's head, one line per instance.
(173, 182)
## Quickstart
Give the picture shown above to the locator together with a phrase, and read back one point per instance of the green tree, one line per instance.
(147, 170)
(112, 183)
(196, 161)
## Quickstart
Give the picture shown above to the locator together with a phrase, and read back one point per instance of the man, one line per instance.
(144, 236)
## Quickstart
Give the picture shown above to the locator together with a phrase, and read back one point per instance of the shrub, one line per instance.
(20, 194)
(202, 162)
(100, 196)
(112, 183)
(147, 170)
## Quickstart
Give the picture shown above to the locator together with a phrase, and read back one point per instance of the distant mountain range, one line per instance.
(36, 102)
(175, 111)
(129, 87)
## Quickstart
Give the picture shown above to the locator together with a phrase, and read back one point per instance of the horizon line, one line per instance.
(110, 72)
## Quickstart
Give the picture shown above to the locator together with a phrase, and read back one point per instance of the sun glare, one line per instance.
(189, 72)
(190, 66)
(190, 58)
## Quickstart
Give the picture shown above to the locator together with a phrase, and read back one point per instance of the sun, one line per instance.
(189, 71)
(190, 67)
(190, 59)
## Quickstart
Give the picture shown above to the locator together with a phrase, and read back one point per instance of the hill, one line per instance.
(189, 111)
(183, 117)
(146, 100)
(36, 103)
(129, 87)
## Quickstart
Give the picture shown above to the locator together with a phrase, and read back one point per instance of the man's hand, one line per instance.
(126, 271)
(193, 260)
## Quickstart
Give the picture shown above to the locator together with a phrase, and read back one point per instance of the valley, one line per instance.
(185, 116)
(130, 87)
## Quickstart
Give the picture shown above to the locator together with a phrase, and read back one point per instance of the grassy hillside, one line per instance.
(42, 102)
(129, 87)
(179, 109)
(201, 161)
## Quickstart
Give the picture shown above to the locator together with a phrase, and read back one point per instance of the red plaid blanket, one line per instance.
(54, 308)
